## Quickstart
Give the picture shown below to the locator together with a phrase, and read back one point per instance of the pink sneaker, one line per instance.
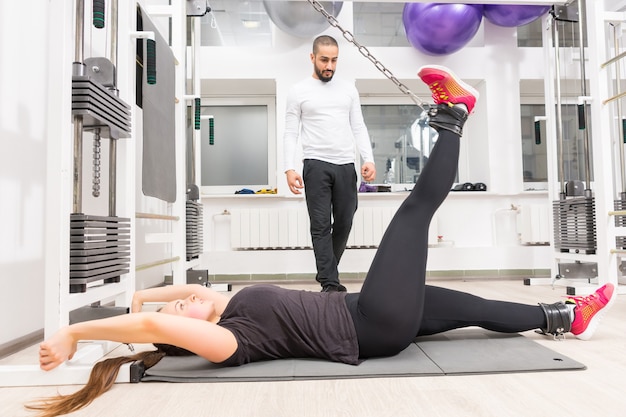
(589, 311)
(447, 88)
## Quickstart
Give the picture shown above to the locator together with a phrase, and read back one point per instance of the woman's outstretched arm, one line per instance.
(175, 292)
(203, 338)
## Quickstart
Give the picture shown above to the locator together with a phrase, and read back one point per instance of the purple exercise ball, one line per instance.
(512, 15)
(441, 29)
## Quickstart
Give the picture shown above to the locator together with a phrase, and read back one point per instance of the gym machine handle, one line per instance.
(98, 13)
(211, 128)
(581, 117)
(211, 132)
(537, 132)
(151, 61)
(537, 123)
(197, 113)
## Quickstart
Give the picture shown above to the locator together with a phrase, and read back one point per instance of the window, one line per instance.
(379, 24)
(534, 151)
(243, 153)
(571, 156)
(530, 35)
(401, 141)
(574, 155)
(235, 23)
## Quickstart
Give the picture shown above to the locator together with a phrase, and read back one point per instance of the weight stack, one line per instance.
(100, 108)
(99, 250)
(620, 221)
(574, 225)
(194, 229)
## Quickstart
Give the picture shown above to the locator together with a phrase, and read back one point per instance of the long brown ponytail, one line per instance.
(101, 379)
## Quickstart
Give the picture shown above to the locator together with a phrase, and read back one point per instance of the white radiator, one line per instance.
(269, 229)
(534, 224)
(289, 228)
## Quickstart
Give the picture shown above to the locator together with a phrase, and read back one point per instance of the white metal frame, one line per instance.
(58, 301)
(602, 118)
(603, 148)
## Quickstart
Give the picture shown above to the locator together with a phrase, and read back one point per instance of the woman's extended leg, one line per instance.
(446, 309)
(387, 312)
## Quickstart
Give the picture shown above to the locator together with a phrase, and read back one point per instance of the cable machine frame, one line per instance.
(604, 183)
(60, 195)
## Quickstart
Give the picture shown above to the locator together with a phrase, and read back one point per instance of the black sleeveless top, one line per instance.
(270, 322)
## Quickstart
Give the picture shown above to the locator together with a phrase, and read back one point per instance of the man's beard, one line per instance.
(320, 75)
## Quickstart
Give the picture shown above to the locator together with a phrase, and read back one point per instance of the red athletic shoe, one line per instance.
(589, 311)
(447, 88)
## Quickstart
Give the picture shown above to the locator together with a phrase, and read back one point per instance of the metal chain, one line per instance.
(95, 187)
(366, 53)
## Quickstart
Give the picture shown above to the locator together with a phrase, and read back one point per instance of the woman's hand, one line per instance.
(56, 350)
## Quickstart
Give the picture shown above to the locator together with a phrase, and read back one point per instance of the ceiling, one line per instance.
(246, 22)
(236, 23)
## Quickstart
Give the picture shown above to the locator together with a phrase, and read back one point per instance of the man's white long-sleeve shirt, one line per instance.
(327, 118)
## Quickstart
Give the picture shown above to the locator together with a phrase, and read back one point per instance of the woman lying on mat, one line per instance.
(263, 322)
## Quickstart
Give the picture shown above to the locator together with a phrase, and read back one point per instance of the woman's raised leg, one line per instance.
(387, 312)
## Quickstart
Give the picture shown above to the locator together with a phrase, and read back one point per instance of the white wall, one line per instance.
(23, 99)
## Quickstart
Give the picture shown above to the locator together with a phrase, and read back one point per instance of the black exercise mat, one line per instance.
(478, 351)
(465, 351)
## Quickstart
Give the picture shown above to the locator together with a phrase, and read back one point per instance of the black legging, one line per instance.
(395, 305)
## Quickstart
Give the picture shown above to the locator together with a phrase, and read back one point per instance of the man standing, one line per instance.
(325, 114)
